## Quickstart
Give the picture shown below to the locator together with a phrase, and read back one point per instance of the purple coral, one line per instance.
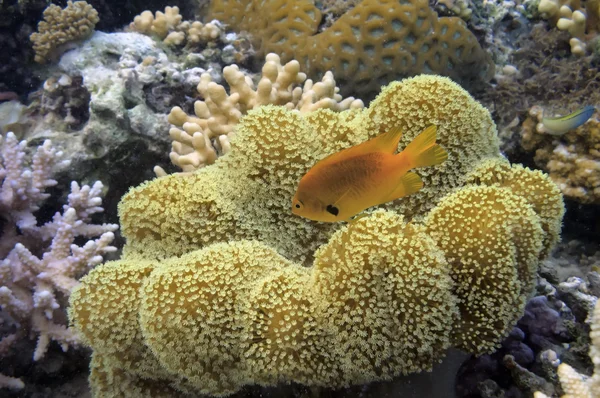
(40, 264)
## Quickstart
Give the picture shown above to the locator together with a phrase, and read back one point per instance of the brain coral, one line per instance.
(372, 44)
(220, 286)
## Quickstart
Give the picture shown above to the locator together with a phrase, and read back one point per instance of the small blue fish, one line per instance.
(561, 124)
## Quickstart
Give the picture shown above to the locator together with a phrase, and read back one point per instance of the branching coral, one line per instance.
(225, 300)
(572, 160)
(580, 18)
(373, 43)
(61, 26)
(219, 112)
(40, 263)
(169, 27)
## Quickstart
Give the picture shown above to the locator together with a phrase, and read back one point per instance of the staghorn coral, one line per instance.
(217, 116)
(572, 160)
(169, 27)
(218, 311)
(370, 45)
(41, 264)
(61, 26)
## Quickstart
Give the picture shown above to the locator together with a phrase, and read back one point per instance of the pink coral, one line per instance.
(40, 264)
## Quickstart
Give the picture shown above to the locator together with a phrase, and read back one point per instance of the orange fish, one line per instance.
(369, 174)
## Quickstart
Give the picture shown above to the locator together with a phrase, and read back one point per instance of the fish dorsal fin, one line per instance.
(386, 142)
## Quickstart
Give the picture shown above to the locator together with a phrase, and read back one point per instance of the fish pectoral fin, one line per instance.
(354, 219)
(408, 184)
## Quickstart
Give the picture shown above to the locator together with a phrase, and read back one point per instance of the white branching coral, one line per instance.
(169, 27)
(40, 265)
(200, 138)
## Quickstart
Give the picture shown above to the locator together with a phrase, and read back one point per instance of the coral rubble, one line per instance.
(212, 294)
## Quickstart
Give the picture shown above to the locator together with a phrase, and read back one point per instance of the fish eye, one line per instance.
(333, 210)
(298, 204)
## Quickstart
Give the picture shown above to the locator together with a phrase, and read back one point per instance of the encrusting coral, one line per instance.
(572, 160)
(61, 26)
(218, 114)
(374, 43)
(41, 264)
(169, 27)
(225, 297)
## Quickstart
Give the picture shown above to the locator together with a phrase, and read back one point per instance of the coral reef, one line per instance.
(211, 293)
(370, 45)
(61, 26)
(218, 114)
(169, 28)
(41, 263)
(572, 160)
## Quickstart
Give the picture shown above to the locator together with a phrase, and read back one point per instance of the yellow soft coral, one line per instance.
(274, 148)
(467, 136)
(373, 43)
(492, 239)
(61, 26)
(383, 296)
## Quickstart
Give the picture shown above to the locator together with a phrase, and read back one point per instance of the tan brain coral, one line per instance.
(373, 43)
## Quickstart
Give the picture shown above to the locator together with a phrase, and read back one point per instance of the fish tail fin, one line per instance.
(423, 151)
